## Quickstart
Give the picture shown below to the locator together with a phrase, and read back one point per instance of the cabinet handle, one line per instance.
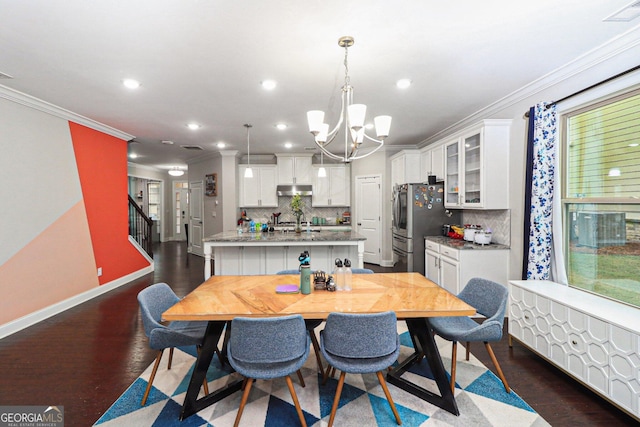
(526, 317)
(574, 342)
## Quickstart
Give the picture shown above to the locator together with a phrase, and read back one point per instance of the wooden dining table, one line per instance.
(411, 296)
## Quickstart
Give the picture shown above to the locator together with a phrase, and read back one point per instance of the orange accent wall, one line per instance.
(102, 167)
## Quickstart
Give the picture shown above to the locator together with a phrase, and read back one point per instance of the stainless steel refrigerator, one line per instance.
(418, 211)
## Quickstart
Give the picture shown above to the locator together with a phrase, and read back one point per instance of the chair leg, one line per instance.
(468, 347)
(454, 355)
(300, 378)
(316, 349)
(497, 365)
(204, 382)
(153, 375)
(336, 399)
(330, 371)
(170, 358)
(294, 396)
(383, 384)
(243, 402)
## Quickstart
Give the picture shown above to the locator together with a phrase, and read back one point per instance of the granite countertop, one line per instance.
(279, 236)
(463, 244)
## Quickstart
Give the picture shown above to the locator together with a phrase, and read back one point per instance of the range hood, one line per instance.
(293, 189)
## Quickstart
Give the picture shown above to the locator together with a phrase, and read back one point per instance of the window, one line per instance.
(602, 198)
(153, 189)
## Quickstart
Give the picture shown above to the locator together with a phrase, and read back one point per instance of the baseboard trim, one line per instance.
(42, 314)
(386, 263)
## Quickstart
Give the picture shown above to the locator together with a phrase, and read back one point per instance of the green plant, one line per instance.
(297, 205)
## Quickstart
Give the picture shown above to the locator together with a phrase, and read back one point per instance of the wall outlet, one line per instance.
(213, 214)
(99, 271)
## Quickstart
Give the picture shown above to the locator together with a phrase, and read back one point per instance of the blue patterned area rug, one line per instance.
(480, 396)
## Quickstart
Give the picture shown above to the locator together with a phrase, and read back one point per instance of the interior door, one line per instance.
(196, 213)
(369, 215)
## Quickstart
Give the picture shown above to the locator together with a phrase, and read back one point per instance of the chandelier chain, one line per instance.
(347, 79)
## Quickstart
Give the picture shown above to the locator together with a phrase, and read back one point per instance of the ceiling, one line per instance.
(203, 61)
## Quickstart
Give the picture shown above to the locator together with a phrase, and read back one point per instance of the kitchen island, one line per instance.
(267, 253)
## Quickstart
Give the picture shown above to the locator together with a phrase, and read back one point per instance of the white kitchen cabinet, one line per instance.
(259, 191)
(295, 168)
(432, 163)
(476, 167)
(453, 268)
(405, 167)
(595, 340)
(333, 189)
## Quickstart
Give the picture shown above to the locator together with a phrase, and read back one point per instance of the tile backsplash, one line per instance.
(264, 214)
(499, 221)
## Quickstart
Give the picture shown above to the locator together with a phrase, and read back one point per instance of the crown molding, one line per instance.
(40, 105)
(607, 51)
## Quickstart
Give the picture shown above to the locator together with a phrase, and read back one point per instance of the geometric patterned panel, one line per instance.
(480, 396)
(624, 372)
(604, 356)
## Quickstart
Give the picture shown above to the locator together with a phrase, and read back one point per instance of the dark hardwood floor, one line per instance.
(84, 358)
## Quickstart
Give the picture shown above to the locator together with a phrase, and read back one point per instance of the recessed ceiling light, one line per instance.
(403, 83)
(221, 144)
(131, 83)
(167, 142)
(288, 145)
(133, 156)
(193, 126)
(281, 126)
(269, 84)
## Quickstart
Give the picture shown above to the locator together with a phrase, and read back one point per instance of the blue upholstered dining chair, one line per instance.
(490, 300)
(360, 344)
(155, 300)
(267, 348)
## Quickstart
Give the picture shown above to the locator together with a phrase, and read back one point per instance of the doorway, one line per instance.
(196, 213)
(181, 211)
(369, 215)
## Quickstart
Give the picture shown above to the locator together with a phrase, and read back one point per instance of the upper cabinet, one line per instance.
(405, 167)
(259, 191)
(432, 163)
(476, 166)
(334, 189)
(295, 168)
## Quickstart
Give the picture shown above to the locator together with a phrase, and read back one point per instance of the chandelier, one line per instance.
(352, 117)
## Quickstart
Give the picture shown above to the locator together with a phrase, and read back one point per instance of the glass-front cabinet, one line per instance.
(452, 180)
(477, 166)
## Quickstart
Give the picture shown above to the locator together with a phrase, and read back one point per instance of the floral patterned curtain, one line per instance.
(541, 259)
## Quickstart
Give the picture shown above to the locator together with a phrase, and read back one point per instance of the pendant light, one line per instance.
(322, 172)
(248, 172)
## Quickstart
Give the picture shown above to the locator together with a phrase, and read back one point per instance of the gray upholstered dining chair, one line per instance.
(155, 300)
(267, 348)
(490, 300)
(360, 344)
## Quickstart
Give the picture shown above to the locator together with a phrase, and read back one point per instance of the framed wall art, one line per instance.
(211, 185)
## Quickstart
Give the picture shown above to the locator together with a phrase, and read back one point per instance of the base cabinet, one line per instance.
(594, 340)
(453, 268)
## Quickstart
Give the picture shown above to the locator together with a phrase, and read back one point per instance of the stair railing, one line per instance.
(140, 227)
